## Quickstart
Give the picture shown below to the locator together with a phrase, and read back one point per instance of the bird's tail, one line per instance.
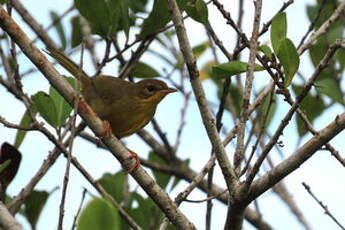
(69, 65)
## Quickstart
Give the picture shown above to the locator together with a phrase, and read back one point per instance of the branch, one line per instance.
(7, 221)
(204, 108)
(295, 160)
(324, 207)
(239, 153)
(323, 64)
(323, 29)
(113, 144)
(35, 26)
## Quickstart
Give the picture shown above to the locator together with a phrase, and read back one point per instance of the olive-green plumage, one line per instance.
(127, 106)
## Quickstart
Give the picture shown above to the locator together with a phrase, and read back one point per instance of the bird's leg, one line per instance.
(137, 161)
(107, 130)
(106, 133)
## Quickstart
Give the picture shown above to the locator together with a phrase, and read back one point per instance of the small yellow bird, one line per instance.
(127, 106)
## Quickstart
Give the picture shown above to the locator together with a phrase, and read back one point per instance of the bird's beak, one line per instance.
(168, 90)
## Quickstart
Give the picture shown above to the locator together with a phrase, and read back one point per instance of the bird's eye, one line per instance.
(151, 88)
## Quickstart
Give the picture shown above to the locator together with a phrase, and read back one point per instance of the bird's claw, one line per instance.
(107, 130)
(137, 161)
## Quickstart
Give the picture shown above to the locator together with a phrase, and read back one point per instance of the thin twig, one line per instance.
(130, 64)
(94, 122)
(74, 224)
(69, 153)
(199, 93)
(323, 28)
(105, 58)
(324, 207)
(182, 121)
(239, 153)
(323, 64)
(312, 24)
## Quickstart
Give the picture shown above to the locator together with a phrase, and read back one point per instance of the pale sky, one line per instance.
(323, 173)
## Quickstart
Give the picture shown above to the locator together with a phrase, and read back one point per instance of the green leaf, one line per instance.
(278, 30)
(124, 16)
(114, 185)
(198, 11)
(59, 28)
(206, 70)
(200, 49)
(318, 50)
(313, 107)
(266, 50)
(33, 206)
(99, 214)
(46, 107)
(26, 121)
(176, 179)
(340, 56)
(63, 109)
(156, 20)
(137, 5)
(145, 211)
(143, 70)
(232, 68)
(77, 34)
(288, 57)
(162, 179)
(326, 84)
(264, 108)
(103, 16)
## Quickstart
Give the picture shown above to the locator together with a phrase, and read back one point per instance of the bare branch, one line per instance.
(323, 29)
(205, 111)
(324, 207)
(7, 221)
(113, 144)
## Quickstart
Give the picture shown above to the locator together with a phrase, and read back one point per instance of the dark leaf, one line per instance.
(162, 179)
(8, 154)
(143, 70)
(59, 29)
(102, 18)
(99, 214)
(198, 11)
(264, 108)
(114, 185)
(289, 58)
(340, 56)
(232, 68)
(326, 84)
(157, 19)
(176, 179)
(77, 34)
(313, 106)
(63, 109)
(146, 210)
(46, 107)
(278, 30)
(33, 206)
(25, 122)
(266, 50)
(318, 50)
(124, 16)
(137, 5)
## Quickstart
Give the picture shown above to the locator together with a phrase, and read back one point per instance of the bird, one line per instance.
(124, 106)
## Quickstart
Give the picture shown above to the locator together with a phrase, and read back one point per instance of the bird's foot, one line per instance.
(137, 161)
(107, 130)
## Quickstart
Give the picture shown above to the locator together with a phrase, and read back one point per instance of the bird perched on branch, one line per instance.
(126, 107)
